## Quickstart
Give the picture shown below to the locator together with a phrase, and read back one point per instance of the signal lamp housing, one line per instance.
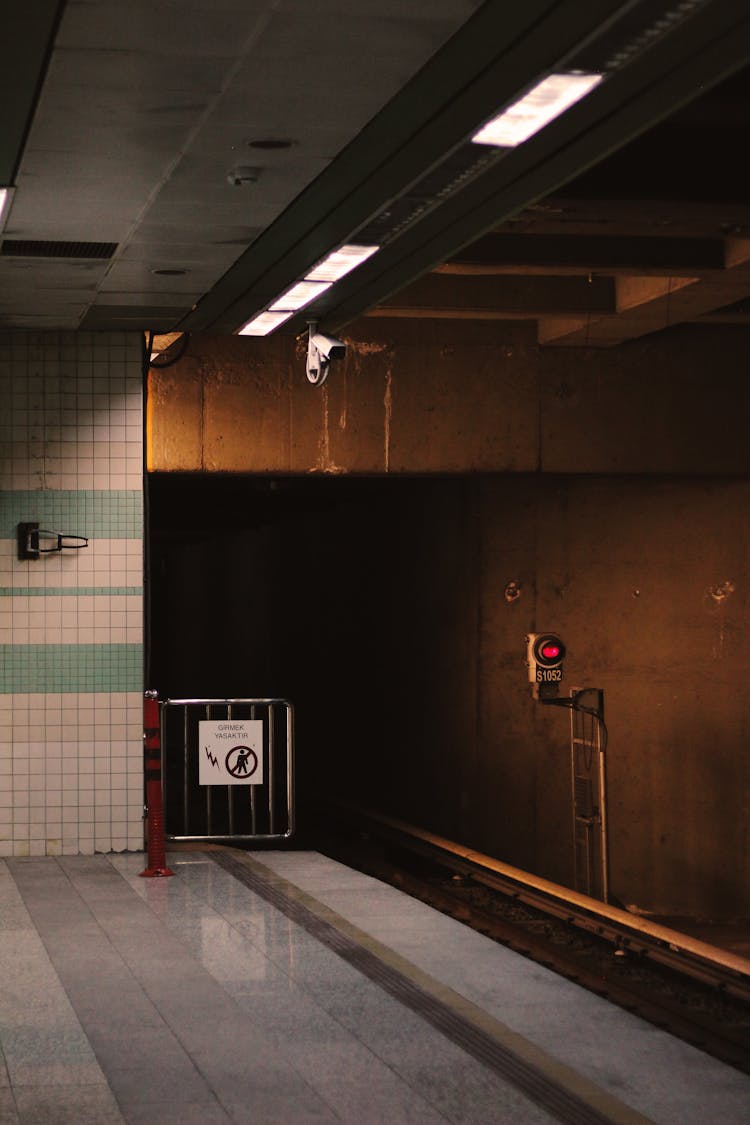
(545, 653)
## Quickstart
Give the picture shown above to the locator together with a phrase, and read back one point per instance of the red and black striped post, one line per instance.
(157, 857)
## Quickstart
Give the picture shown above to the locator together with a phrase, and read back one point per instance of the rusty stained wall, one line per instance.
(451, 397)
(236, 404)
(647, 582)
(386, 618)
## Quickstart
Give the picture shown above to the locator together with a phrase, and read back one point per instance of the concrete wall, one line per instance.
(647, 582)
(71, 751)
(456, 397)
(379, 605)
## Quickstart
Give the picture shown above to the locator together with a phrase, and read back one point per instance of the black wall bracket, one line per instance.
(30, 534)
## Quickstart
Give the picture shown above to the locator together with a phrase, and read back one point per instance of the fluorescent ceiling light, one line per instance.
(340, 262)
(540, 105)
(4, 204)
(264, 323)
(336, 265)
(299, 295)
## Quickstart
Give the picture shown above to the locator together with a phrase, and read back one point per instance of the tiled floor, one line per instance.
(194, 1000)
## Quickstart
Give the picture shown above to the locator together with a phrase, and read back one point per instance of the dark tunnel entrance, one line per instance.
(353, 598)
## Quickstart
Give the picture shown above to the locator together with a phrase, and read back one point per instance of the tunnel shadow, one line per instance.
(344, 596)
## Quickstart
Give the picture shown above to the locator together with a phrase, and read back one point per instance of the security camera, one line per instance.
(328, 347)
(321, 349)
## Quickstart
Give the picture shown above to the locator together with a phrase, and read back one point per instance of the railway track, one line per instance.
(692, 990)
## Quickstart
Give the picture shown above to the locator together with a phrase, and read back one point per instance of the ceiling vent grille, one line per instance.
(433, 188)
(29, 248)
(641, 26)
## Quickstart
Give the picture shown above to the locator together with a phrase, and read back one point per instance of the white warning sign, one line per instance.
(230, 752)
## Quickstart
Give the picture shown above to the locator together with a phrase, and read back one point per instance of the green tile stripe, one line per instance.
(70, 591)
(98, 515)
(70, 668)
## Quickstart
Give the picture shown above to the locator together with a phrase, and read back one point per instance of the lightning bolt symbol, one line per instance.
(214, 761)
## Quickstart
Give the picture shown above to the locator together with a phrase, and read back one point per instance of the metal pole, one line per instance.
(230, 805)
(603, 811)
(271, 769)
(290, 767)
(208, 787)
(185, 773)
(157, 857)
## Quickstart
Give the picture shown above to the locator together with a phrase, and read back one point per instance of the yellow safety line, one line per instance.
(552, 1069)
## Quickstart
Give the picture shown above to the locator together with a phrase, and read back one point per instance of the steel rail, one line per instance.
(724, 970)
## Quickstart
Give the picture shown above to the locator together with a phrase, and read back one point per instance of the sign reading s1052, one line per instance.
(545, 653)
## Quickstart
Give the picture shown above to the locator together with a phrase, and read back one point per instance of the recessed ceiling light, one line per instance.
(540, 105)
(299, 295)
(340, 262)
(333, 267)
(5, 194)
(264, 323)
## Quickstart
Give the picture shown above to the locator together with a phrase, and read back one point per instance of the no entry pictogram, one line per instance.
(241, 761)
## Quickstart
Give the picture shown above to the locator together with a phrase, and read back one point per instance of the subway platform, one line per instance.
(281, 987)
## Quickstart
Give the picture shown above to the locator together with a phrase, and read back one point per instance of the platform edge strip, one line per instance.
(570, 1096)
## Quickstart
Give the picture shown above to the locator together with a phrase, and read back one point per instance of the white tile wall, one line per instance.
(69, 781)
(71, 761)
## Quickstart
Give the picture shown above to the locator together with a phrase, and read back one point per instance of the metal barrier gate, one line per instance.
(589, 793)
(227, 769)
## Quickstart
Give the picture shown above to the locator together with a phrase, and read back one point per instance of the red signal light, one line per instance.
(546, 649)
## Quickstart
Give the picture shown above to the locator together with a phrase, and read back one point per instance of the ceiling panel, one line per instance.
(161, 29)
(142, 110)
(145, 109)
